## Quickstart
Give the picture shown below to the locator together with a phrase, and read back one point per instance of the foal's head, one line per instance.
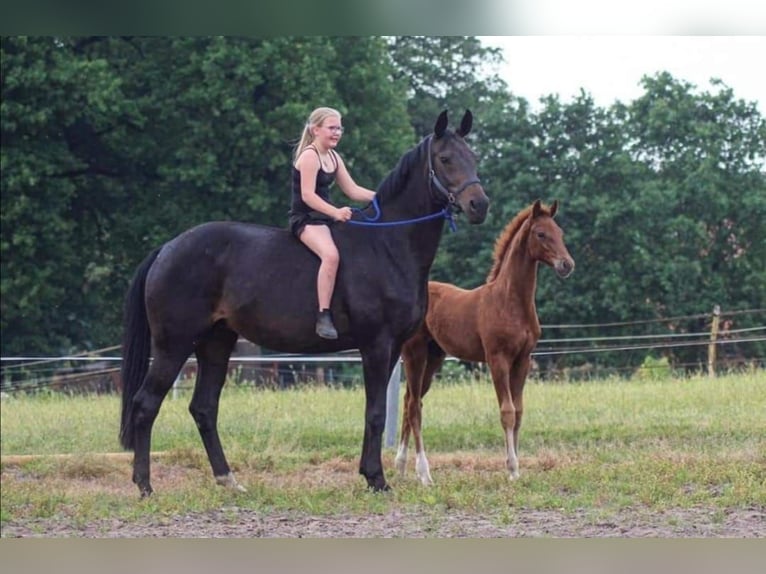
(533, 231)
(545, 240)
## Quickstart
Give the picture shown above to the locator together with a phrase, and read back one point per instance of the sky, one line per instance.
(610, 67)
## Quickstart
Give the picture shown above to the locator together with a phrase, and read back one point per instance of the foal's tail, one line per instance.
(136, 347)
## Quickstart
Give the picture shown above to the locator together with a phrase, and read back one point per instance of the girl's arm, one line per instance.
(349, 186)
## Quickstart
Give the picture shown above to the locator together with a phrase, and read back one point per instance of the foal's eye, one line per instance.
(444, 158)
(541, 234)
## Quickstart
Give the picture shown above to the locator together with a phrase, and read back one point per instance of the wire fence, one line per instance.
(563, 358)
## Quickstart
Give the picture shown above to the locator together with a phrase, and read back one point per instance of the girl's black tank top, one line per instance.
(322, 186)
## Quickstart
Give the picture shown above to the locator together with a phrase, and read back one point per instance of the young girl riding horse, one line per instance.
(316, 166)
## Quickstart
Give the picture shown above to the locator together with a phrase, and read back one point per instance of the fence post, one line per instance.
(712, 345)
(392, 404)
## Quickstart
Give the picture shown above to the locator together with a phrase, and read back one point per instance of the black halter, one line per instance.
(433, 181)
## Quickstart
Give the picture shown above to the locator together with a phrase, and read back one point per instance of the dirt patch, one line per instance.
(238, 523)
(111, 476)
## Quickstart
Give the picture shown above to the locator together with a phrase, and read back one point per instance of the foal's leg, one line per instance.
(500, 370)
(159, 379)
(404, 436)
(414, 356)
(213, 354)
(519, 373)
(422, 468)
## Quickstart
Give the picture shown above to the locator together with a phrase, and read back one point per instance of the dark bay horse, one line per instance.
(218, 281)
(496, 323)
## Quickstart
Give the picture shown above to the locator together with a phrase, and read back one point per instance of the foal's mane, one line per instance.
(505, 239)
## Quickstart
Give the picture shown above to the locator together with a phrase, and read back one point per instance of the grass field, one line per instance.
(603, 446)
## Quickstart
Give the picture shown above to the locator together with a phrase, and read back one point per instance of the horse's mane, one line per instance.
(504, 240)
(397, 177)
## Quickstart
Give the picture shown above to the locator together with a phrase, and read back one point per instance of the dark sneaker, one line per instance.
(325, 328)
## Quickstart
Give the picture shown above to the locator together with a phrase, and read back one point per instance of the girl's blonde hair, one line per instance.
(316, 118)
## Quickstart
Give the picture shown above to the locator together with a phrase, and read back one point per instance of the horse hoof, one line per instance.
(514, 476)
(379, 487)
(229, 481)
(146, 491)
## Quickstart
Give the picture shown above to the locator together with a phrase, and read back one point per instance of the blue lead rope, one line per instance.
(377, 212)
(373, 221)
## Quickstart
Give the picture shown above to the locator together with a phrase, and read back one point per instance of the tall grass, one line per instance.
(600, 445)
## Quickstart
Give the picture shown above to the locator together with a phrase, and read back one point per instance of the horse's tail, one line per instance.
(136, 348)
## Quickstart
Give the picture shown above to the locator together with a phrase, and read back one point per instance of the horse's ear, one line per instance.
(536, 209)
(465, 124)
(554, 207)
(441, 124)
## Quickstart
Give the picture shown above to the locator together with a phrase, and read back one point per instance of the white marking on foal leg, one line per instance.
(422, 469)
(512, 460)
(229, 481)
(421, 462)
(401, 458)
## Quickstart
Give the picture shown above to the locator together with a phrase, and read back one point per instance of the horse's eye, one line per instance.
(541, 234)
(444, 159)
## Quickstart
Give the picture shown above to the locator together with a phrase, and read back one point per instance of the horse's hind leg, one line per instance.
(434, 361)
(159, 379)
(404, 436)
(422, 358)
(213, 353)
(414, 355)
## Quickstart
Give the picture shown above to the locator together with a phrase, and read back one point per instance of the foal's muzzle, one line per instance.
(564, 267)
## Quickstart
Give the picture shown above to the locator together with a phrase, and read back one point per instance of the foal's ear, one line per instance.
(554, 207)
(536, 210)
(465, 124)
(441, 124)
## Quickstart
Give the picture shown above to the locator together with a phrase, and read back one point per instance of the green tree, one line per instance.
(704, 207)
(661, 201)
(62, 120)
(113, 145)
(445, 72)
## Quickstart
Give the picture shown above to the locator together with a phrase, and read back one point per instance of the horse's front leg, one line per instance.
(377, 362)
(518, 378)
(500, 370)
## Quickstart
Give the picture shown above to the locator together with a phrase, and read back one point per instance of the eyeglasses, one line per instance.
(335, 129)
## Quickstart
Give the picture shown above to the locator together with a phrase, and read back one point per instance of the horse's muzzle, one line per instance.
(474, 203)
(564, 267)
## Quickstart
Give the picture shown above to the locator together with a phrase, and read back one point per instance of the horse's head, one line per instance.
(545, 240)
(452, 169)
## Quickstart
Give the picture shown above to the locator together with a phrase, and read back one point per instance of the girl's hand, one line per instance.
(343, 214)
